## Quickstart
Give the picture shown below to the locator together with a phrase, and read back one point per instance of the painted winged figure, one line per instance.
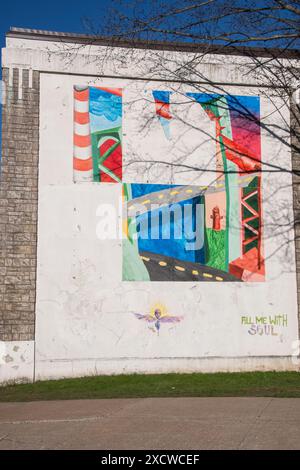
(157, 318)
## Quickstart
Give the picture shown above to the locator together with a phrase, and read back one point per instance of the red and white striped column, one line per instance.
(82, 158)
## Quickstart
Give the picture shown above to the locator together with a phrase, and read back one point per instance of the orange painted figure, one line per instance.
(216, 217)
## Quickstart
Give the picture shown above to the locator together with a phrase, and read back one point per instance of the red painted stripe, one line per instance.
(162, 109)
(82, 165)
(113, 162)
(249, 219)
(113, 91)
(82, 140)
(81, 118)
(241, 156)
(250, 240)
(81, 95)
(106, 178)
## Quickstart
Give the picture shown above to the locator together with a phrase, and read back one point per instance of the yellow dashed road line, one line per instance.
(182, 269)
(162, 263)
(190, 191)
(207, 275)
(179, 268)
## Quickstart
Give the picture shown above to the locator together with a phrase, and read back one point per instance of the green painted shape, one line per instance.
(133, 268)
(95, 155)
(131, 221)
(216, 106)
(233, 223)
(219, 107)
(227, 206)
(216, 251)
(115, 132)
(127, 191)
(234, 228)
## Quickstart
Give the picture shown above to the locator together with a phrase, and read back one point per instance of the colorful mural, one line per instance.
(97, 134)
(212, 233)
(172, 232)
(238, 154)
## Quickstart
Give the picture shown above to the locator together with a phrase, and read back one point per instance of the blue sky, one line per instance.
(54, 15)
(68, 16)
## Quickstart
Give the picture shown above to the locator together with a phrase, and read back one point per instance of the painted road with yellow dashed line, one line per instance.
(165, 268)
(177, 194)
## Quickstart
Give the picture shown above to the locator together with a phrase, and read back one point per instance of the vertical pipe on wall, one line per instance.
(82, 158)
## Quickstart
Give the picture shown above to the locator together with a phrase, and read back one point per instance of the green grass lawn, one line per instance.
(249, 384)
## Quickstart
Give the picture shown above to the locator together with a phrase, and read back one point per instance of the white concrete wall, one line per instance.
(85, 321)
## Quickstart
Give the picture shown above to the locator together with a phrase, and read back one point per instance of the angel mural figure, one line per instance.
(158, 317)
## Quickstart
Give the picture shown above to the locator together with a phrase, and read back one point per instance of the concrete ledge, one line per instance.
(60, 368)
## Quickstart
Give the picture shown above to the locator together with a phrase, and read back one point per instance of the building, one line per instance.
(147, 218)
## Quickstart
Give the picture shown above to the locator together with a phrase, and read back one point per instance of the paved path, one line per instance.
(152, 423)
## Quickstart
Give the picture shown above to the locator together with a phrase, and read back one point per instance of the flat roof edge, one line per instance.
(55, 36)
